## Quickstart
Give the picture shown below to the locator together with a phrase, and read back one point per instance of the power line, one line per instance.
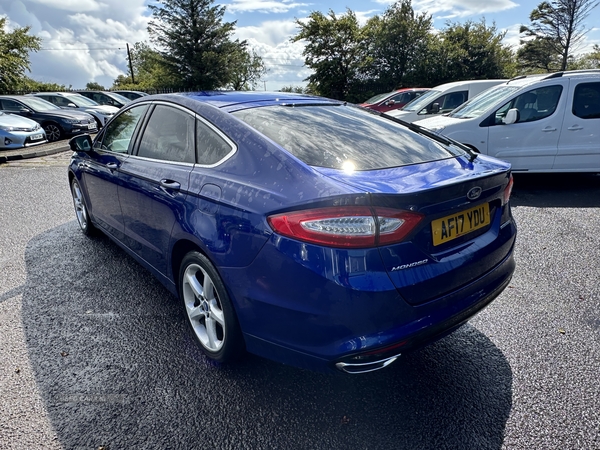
(79, 49)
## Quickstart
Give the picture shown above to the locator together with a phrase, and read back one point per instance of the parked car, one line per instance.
(72, 100)
(17, 132)
(541, 123)
(281, 236)
(106, 98)
(393, 100)
(442, 99)
(57, 123)
(131, 95)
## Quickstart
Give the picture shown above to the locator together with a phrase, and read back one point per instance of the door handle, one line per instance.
(575, 128)
(170, 184)
(548, 129)
(112, 165)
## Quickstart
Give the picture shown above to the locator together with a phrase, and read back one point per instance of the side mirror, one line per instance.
(24, 110)
(81, 143)
(435, 108)
(390, 102)
(72, 105)
(512, 116)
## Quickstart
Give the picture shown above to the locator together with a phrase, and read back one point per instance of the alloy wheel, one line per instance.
(203, 308)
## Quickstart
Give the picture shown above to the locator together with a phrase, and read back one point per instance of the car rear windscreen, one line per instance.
(334, 135)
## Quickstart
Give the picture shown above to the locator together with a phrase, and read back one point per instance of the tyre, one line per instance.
(209, 310)
(81, 210)
(53, 132)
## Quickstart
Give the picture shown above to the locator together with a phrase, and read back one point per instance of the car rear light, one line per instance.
(347, 227)
(508, 190)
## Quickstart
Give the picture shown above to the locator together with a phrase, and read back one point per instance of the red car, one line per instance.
(393, 100)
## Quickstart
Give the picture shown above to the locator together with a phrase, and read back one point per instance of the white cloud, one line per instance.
(457, 8)
(72, 5)
(86, 45)
(283, 58)
(512, 37)
(264, 6)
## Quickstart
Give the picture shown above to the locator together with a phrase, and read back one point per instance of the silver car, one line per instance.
(17, 132)
(73, 100)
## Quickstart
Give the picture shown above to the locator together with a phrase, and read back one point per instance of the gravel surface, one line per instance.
(95, 352)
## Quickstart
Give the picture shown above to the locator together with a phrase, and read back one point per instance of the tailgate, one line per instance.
(463, 234)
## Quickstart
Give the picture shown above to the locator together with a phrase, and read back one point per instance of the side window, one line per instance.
(452, 100)
(169, 136)
(586, 101)
(59, 101)
(11, 105)
(532, 105)
(210, 147)
(98, 98)
(119, 132)
(397, 98)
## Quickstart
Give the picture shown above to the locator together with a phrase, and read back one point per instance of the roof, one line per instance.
(232, 100)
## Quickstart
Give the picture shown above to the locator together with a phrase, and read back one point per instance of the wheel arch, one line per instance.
(181, 248)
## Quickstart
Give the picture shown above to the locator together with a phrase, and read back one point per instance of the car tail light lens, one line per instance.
(508, 190)
(347, 227)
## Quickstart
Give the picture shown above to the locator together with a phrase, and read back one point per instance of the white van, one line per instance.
(442, 99)
(538, 123)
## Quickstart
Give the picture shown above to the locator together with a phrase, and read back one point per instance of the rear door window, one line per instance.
(586, 101)
(169, 136)
(343, 136)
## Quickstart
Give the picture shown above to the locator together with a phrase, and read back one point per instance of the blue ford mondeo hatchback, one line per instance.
(299, 228)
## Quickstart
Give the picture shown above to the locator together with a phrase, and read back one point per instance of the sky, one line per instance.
(85, 40)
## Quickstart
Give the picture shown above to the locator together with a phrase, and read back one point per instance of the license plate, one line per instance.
(459, 224)
(36, 137)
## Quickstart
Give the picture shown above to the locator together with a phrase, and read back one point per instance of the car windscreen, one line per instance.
(377, 98)
(81, 101)
(343, 136)
(38, 104)
(421, 102)
(118, 97)
(479, 104)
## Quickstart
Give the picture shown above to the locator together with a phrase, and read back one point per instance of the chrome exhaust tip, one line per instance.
(355, 368)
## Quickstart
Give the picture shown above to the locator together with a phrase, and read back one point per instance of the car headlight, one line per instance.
(71, 121)
(7, 128)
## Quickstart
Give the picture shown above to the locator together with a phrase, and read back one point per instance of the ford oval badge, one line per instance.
(474, 193)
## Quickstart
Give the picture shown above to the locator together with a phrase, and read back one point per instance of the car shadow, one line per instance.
(557, 190)
(116, 366)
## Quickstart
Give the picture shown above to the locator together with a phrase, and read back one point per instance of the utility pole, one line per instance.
(264, 81)
(130, 65)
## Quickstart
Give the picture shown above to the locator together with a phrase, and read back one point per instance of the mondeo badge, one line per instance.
(474, 193)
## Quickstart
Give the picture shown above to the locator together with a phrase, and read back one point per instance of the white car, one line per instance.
(538, 123)
(17, 132)
(72, 100)
(442, 99)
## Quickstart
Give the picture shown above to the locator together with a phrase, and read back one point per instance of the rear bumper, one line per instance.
(297, 317)
(473, 299)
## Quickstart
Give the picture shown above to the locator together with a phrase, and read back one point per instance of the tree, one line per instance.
(150, 70)
(194, 43)
(394, 44)
(589, 60)
(558, 28)
(248, 69)
(14, 56)
(471, 51)
(538, 55)
(333, 50)
(93, 86)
